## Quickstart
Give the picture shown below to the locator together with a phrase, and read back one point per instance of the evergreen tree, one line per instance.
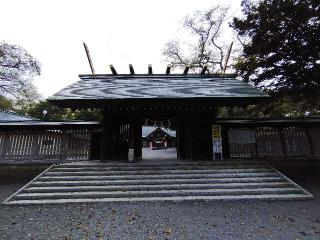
(281, 49)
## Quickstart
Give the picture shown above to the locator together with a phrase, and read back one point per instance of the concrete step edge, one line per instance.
(159, 172)
(133, 167)
(270, 197)
(158, 186)
(98, 194)
(156, 176)
(163, 163)
(157, 181)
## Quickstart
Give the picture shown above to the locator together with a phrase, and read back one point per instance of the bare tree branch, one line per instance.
(17, 70)
(205, 28)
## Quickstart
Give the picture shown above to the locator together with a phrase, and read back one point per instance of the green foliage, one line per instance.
(36, 109)
(280, 49)
(5, 103)
(88, 114)
(55, 113)
(279, 107)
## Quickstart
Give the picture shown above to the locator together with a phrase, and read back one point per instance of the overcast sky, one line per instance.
(117, 32)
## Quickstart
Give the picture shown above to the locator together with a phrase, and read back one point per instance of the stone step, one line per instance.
(141, 168)
(157, 176)
(179, 181)
(158, 166)
(157, 193)
(154, 187)
(161, 163)
(158, 172)
(157, 181)
(174, 198)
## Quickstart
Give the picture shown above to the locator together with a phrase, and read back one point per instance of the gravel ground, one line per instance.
(165, 220)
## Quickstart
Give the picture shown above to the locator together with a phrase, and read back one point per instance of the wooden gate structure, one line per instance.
(46, 142)
(186, 101)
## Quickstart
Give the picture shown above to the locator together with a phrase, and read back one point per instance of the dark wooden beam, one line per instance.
(282, 142)
(185, 72)
(310, 141)
(204, 69)
(168, 69)
(227, 58)
(150, 69)
(89, 58)
(225, 143)
(131, 69)
(113, 70)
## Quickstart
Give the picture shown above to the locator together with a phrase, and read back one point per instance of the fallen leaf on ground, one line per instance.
(168, 231)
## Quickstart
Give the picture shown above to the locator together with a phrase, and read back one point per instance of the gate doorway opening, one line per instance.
(158, 143)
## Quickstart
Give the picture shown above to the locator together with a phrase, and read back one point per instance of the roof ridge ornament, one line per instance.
(204, 69)
(150, 69)
(185, 72)
(131, 69)
(113, 70)
(168, 69)
(89, 58)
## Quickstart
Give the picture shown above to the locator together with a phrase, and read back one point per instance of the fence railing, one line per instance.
(24, 145)
(291, 141)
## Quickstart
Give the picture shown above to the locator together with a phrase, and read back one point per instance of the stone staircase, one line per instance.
(162, 181)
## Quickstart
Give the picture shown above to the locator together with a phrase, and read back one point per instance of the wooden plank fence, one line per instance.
(291, 141)
(57, 145)
(241, 142)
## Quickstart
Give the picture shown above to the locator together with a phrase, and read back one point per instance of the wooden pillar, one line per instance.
(201, 137)
(95, 146)
(256, 149)
(225, 143)
(194, 139)
(110, 137)
(64, 145)
(188, 147)
(181, 139)
(131, 142)
(137, 139)
(283, 144)
(107, 143)
(310, 142)
(135, 136)
(7, 145)
(177, 143)
(35, 145)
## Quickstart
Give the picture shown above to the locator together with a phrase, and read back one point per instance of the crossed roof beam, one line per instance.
(150, 73)
(150, 70)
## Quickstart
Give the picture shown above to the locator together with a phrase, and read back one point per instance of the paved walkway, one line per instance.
(156, 154)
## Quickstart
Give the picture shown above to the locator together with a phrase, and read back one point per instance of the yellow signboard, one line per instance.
(216, 132)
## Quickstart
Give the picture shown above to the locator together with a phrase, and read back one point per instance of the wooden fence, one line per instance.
(26, 145)
(291, 141)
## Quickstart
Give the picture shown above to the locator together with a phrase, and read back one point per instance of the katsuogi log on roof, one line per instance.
(156, 89)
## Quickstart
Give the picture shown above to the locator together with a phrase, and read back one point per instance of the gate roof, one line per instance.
(108, 89)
